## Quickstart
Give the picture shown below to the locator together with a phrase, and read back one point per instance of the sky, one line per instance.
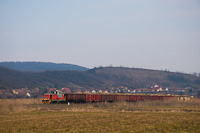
(150, 34)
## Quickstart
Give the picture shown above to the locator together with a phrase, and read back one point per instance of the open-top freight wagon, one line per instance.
(58, 97)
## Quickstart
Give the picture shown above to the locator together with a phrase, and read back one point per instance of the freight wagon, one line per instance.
(93, 98)
(58, 97)
(82, 98)
(76, 98)
(109, 98)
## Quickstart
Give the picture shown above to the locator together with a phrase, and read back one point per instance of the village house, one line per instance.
(19, 92)
(66, 90)
(105, 91)
(93, 91)
(100, 91)
(28, 94)
(156, 88)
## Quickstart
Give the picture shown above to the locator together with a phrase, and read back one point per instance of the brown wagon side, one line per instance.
(76, 98)
(135, 98)
(109, 98)
(122, 97)
(93, 97)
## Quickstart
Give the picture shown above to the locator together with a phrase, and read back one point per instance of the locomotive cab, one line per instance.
(53, 97)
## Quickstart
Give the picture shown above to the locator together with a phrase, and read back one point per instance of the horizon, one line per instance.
(157, 35)
(109, 66)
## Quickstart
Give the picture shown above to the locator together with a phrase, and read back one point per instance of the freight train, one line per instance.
(59, 97)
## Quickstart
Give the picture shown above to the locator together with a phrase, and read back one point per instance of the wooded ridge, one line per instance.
(98, 78)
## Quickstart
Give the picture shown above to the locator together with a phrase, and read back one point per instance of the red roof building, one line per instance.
(51, 89)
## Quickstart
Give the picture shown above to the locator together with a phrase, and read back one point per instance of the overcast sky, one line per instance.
(152, 34)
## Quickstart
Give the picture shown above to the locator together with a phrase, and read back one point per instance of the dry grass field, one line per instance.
(29, 115)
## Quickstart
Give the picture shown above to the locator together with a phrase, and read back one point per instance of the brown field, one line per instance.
(29, 115)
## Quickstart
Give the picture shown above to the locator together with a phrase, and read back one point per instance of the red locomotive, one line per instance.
(54, 97)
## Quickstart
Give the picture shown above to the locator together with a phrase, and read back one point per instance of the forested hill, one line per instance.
(41, 66)
(99, 78)
(144, 78)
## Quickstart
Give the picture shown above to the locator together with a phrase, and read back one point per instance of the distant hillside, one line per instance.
(41, 66)
(99, 78)
(144, 78)
(10, 79)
